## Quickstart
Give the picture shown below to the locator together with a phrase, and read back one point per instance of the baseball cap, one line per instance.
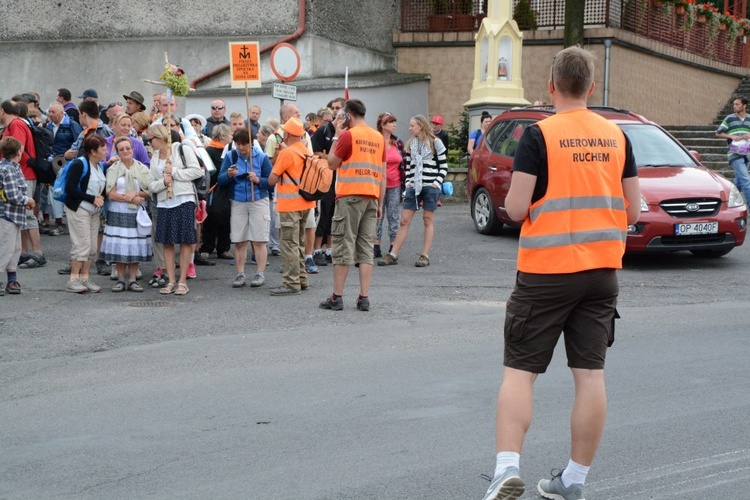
(293, 126)
(89, 93)
(437, 119)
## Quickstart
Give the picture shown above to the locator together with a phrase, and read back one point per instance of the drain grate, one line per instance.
(150, 303)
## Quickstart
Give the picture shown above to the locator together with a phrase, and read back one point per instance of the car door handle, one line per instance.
(492, 169)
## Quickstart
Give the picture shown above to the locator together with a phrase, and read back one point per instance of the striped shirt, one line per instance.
(433, 169)
(733, 124)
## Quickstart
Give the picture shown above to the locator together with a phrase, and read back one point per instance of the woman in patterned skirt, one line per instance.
(127, 185)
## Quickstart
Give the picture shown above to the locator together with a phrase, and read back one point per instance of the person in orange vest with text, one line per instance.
(292, 208)
(575, 188)
(360, 159)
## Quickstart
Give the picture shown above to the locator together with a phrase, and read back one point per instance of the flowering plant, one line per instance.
(175, 79)
(733, 25)
(726, 18)
(706, 9)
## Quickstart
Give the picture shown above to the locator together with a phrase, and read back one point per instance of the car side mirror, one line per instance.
(696, 155)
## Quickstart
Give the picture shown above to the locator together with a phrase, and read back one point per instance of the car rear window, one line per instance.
(652, 147)
(505, 140)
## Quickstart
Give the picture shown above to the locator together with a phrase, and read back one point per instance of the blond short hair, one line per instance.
(141, 121)
(159, 131)
(573, 71)
(119, 117)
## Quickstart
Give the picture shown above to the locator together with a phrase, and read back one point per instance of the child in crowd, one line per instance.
(13, 206)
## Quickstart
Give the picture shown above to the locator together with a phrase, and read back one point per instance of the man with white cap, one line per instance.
(198, 123)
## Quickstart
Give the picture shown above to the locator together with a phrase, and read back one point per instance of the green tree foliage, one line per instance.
(524, 16)
(459, 136)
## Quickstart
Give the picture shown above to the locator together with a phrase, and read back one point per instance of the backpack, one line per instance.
(202, 183)
(316, 178)
(58, 190)
(44, 140)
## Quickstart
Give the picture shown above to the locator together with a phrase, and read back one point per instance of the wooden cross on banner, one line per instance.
(170, 98)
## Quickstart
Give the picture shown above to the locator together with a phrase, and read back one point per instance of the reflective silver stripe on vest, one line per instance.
(287, 180)
(567, 239)
(577, 203)
(365, 180)
(287, 196)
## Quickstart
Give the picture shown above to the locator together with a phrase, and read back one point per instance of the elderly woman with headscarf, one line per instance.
(198, 123)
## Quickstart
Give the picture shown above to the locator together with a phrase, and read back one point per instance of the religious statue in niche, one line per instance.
(483, 75)
(504, 58)
(502, 69)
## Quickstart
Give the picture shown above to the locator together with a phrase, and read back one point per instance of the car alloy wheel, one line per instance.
(483, 213)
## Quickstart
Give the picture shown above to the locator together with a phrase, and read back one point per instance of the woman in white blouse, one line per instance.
(172, 173)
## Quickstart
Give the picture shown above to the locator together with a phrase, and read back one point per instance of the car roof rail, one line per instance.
(610, 108)
(536, 107)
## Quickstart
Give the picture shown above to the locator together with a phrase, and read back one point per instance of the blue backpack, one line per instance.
(58, 190)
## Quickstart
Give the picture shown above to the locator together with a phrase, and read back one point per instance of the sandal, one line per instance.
(182, 289)
(13, 288)
(158, 281)
(168, 289)
(134, 287)
(119, 287)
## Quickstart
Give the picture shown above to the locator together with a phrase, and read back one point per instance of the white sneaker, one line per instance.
(76, 286)
(257, 280)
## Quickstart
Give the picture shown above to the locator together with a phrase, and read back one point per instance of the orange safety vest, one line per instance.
(362, 173)
(289, 164)
(580, 223)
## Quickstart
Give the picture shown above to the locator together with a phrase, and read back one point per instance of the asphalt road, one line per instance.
(229, 393)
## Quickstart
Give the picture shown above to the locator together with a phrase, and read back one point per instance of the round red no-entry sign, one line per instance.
(285, 62)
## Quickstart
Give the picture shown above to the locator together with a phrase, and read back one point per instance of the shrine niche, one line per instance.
(505, 56)
(484, 61)
(497, 83)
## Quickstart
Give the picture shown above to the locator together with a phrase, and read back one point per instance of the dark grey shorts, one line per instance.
(582, 305)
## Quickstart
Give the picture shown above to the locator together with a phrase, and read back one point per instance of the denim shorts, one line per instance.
(428, 197)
